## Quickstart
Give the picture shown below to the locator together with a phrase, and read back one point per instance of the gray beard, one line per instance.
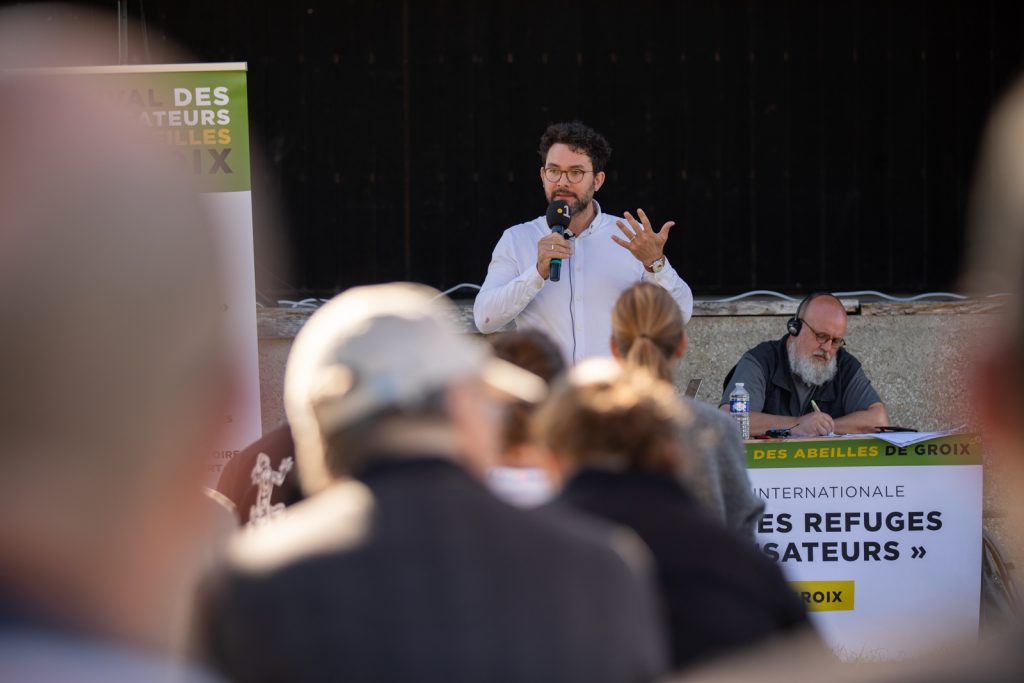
(811, 372)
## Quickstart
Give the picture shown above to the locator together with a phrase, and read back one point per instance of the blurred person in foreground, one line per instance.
(995, 264)
(524, 474)
(615, 430)
(115, 374)
(401, 565)
(648, 332)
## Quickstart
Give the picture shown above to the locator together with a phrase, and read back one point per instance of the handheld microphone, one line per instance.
(558, 220)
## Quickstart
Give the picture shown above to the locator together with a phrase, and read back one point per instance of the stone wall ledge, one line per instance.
(285, 323)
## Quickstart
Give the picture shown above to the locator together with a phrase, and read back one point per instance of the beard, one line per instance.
(813, 373)
(577, 202)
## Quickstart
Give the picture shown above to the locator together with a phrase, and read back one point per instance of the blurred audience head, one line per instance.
(114, 361)
(995, 245)
(609, 416)
(531, 350)
(535, 352)
(380, 371)
(525, 474)
(995, 265)
(58, 35)
(648, 330)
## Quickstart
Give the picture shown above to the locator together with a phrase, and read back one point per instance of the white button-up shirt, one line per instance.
(576, 312)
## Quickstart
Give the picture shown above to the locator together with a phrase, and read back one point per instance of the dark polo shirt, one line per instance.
(774, 389)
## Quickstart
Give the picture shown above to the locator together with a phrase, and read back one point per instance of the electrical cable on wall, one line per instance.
(313, 303)
(861, 292)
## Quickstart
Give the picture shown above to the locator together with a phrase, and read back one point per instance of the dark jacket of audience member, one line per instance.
(432, 579)
(615, 430)
(720, 593)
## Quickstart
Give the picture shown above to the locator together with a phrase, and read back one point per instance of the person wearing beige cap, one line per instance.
(401, 565)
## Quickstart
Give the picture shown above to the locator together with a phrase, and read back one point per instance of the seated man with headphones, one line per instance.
(807, 382)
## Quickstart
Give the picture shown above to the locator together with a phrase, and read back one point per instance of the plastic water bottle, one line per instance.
(739, 408)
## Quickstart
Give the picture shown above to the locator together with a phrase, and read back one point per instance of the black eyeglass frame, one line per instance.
(821, 337)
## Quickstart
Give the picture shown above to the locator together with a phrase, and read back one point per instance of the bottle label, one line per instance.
(738, 405)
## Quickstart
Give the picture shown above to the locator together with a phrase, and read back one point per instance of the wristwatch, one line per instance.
(657, 265)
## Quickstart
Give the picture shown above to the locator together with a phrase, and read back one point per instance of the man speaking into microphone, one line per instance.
(600, 254)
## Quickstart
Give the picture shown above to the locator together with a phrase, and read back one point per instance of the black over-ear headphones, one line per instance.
(795, 324)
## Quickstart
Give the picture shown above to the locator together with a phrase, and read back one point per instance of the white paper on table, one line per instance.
(904, 439)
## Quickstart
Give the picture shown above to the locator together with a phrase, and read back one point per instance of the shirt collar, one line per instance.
(784, 377)
(598, 218)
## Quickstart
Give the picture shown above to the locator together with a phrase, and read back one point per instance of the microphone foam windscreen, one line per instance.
(558, 213)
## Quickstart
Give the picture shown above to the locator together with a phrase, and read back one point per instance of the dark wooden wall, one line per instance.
(799, 145)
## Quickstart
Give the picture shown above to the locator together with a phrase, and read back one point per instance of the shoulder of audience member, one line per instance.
(727, 560)
(597, 536)
(707, 417)
(336, 519)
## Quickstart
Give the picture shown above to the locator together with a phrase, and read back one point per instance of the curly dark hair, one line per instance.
(579, 137)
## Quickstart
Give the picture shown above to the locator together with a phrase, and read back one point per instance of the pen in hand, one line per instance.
(818, 410)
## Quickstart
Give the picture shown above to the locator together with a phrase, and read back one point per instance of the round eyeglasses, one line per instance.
(574, 175)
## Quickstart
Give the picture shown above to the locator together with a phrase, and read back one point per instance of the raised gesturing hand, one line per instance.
(646, 245)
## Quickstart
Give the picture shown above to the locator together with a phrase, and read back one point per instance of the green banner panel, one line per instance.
(958, 449)
(200, 114)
